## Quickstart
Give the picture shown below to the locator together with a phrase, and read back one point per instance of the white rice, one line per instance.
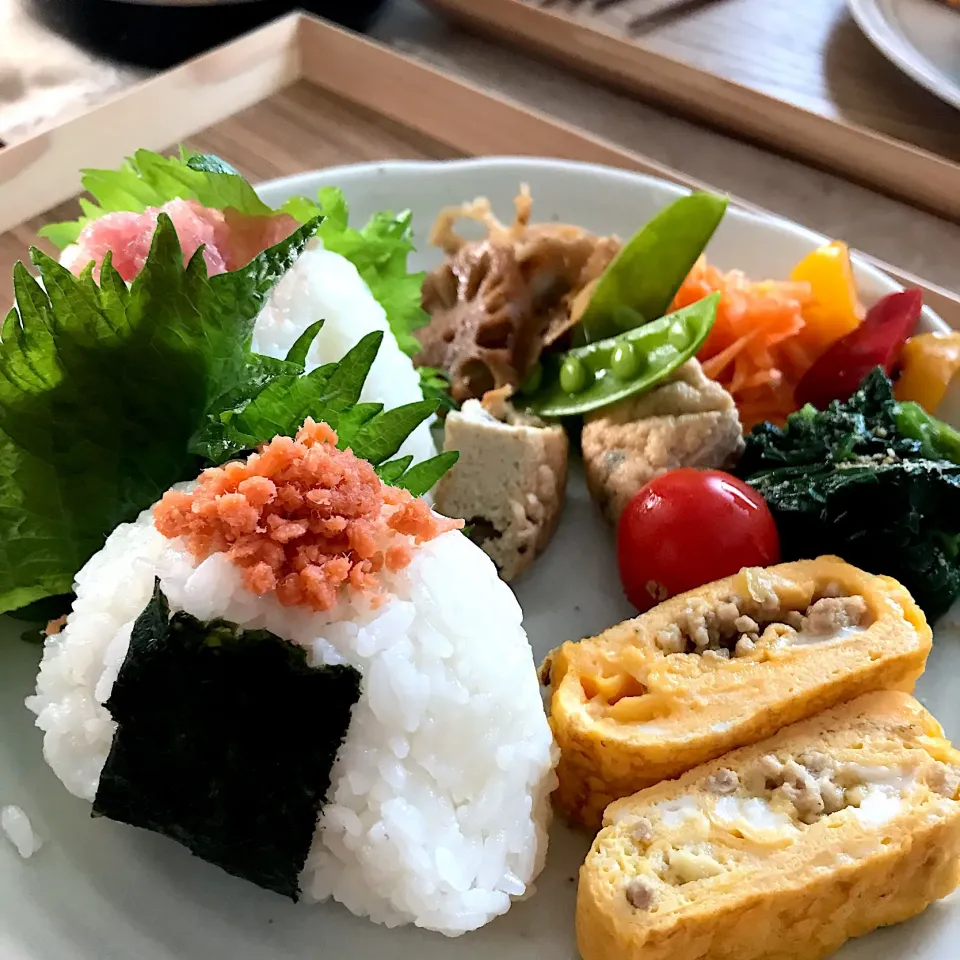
(19, 831)
(439, 801)
(325, 286)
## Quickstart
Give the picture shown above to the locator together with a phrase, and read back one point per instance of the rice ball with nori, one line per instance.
(437, 807)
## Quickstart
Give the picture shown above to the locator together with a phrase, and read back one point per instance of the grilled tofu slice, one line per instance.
(509, 482)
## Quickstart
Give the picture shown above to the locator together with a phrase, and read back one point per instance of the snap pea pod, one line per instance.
(585, 378)
(642, 280)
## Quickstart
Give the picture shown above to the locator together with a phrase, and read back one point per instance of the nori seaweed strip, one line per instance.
(225, 741)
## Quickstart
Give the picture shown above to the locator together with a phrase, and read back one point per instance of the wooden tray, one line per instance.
(297, 95)
(798, 76)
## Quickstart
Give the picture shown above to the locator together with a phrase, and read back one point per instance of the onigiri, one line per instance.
(324, 285)
(321, 285)
(290, 641)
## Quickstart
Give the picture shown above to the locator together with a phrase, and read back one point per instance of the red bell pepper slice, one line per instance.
(876, 342)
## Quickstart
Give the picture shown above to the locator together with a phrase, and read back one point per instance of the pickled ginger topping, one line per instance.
(301, 519)
(230, 239)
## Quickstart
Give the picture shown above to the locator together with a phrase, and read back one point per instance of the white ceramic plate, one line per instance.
(103, 891)
(922, 37)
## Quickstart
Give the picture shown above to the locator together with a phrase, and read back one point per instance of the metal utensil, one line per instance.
(597, 5)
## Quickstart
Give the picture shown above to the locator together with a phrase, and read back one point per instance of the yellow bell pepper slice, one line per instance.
(928, 363)
(835, 309)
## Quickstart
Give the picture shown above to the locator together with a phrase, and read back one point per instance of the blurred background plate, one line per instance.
(922, 37)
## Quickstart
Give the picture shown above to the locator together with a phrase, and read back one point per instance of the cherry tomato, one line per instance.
(690, 527)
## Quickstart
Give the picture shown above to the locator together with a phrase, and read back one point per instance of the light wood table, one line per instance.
(766, 70)
(810, 54)
(891, 230)
(821, 62)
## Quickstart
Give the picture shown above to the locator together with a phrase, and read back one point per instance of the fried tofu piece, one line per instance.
(784, 850)
(721, 667)
(509, 482)
(687, 421)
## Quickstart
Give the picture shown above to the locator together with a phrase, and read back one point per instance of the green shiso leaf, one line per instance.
(392, 471)
(109, 395)
(297, 354)
(420, 478)
(870, 482)
(101, 389)
(381, 437)
(225, 741)
(351, 421)
(242, 422)
(423, 476)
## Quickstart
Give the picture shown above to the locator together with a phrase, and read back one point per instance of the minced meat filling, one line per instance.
(735, 626)
(808, 787)
(723, 782)
(672, 867)
(815, 785)
(642, 830)
(641, 893)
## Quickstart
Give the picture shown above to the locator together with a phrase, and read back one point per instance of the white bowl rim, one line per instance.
(290, 184)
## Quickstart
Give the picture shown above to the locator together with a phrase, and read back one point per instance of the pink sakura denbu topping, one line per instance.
(301, 519)
(230, 239)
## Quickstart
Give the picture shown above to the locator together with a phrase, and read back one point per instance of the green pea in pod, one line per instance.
(642, 280)
(598, 374)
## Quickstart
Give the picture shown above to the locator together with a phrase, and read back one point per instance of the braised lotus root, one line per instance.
(497, 302)
(481, 331)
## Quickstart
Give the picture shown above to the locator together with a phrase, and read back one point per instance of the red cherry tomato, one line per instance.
(691, 527)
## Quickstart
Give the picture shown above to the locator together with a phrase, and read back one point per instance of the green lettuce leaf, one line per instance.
(109, 395)
(379, 250)
(150, 180)
(435, 385)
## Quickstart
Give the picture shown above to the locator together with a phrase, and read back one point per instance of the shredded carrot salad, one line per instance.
(754, 349)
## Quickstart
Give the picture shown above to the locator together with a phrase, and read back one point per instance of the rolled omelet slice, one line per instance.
(722, 667)
(782, 850)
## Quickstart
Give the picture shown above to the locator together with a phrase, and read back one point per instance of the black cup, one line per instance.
(158, 35)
